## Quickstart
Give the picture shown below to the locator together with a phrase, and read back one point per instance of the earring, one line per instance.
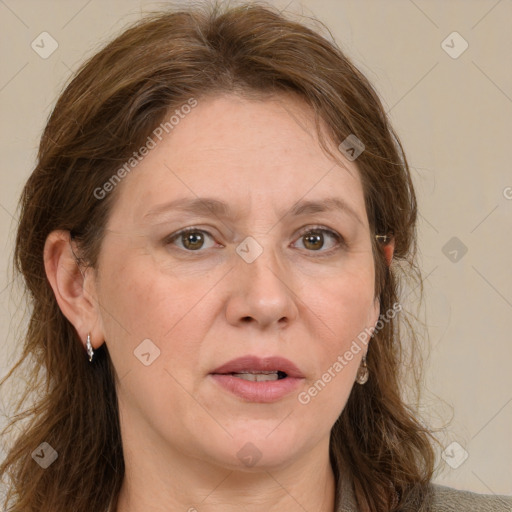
(90, 351)
(362, 373)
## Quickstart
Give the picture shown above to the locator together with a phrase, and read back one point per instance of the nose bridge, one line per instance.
(265, 272)
(262, 288)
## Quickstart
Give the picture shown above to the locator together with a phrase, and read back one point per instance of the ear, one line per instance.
(73, 287)
(388, 250)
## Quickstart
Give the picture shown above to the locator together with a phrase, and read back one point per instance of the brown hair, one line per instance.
(107, 112)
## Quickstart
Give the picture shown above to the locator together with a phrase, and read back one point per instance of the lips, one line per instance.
(255, 365)
(254, 379)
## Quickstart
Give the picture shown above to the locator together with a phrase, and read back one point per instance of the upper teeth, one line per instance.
(257, 376)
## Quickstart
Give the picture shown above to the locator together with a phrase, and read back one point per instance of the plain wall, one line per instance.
(454, 117)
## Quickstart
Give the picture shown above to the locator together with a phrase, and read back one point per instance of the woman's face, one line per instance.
(277, 270)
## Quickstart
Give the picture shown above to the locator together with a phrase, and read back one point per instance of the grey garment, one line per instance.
(452, 500)
(443, 499)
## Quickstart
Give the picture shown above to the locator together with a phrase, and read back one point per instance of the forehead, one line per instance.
(254, 154)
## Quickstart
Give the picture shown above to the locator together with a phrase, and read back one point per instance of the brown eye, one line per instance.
(314, 240)
(191, 239)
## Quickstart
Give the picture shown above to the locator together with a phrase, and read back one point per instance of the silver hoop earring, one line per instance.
(90, 351)
(362, 373)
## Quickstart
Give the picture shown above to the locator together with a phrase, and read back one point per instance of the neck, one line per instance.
(162, 483)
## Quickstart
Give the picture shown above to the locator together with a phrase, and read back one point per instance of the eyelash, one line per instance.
(339, 239)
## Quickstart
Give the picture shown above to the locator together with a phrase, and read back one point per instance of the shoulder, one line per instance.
(446, 499)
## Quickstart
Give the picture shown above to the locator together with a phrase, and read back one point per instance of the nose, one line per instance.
(261, 293)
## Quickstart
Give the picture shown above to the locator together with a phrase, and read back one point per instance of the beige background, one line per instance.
(454, 116)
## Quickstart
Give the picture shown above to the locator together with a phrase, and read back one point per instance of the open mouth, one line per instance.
(260, 376)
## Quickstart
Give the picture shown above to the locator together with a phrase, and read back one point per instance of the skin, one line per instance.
(181, 432)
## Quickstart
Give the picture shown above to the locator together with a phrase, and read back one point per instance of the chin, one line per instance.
(257, 450)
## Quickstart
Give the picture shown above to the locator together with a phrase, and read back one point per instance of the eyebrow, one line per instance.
(211, 206)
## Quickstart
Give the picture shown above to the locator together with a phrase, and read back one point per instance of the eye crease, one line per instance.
(193, 239)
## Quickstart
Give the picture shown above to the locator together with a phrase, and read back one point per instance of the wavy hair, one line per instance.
(106, 112)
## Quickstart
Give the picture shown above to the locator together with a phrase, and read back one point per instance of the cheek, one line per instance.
(140, 303)
(339, 350)
(342, 310)
(154, 338)
(342, 304)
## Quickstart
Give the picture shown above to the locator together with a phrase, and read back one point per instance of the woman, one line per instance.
(212, 242)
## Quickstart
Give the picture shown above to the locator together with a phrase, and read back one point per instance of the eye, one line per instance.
(191, 239)
(314, 239)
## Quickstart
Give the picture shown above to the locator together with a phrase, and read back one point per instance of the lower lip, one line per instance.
(263, 392)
